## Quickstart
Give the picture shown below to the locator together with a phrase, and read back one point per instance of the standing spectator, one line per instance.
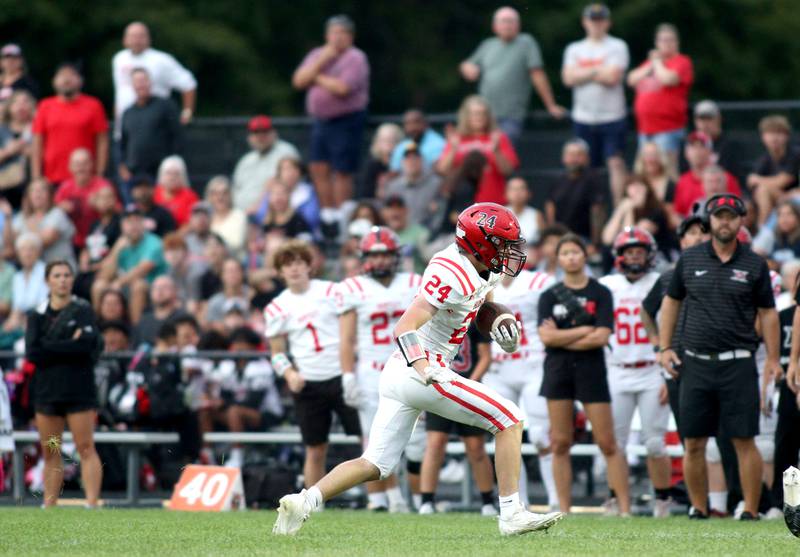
(530, 220)
(150, 130)
(576, 319)
(336, 77)
(157, 219)
(15, 76)
(76, 194)
(578, 194)
(302, 196)
(29, 288)
(507, 64)
(66, 122)
(690, 185)
(727, 152)
(416, 129)
(47, 221)
(376, 171)
(776, 171)
(173, 191)
(257, 167)
(594, 69)
(724, 286)
(662, 84)
(227, 221)
(413, 237)
(15, 145)
(136, 259)
(652, 163)
(61, 341)
(165, 73)
(477, 131)
(420, 188)
(165, 307)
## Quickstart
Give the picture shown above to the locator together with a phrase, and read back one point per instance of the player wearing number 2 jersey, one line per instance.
(369, 307)
(518, 376)
(416, 378)
(305, 315)
(634, 376)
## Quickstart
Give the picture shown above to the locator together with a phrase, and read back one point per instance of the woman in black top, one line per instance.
(62, 341)
(576, 317)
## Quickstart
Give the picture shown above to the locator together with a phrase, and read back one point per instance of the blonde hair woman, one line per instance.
(226, 220)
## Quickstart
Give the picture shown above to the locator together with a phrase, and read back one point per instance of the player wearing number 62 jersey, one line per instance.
(416, 378)
(634, 376)
(305, 315)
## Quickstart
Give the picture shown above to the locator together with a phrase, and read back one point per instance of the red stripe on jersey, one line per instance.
(533, 280)
(411, 280)
(418, 280)
(461, 270)
(545, 276)
(268, 312)
(330, 287)
(488, 399)
(279, 308)
(468, 406)
(358, 284)
(455, 274)
(350, 288)
(440, 360)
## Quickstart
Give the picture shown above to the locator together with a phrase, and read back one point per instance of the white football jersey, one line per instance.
(522, 298)
(311, 323)
(630, 342)
(452, 285)
(378, 308)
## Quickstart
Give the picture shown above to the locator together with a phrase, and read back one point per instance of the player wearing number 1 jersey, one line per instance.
(305, 315)
(634, 376)
(416, 377)
(369, 307)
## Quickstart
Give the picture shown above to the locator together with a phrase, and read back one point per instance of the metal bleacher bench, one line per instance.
(134, 442)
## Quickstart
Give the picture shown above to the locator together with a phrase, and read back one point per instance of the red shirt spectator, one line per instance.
(173, 191)
(690, 189)
(74, 195)
(66, 122)
(662, 86)
(492, 187)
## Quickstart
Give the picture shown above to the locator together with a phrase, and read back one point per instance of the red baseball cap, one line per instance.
(700, 137)
(259, 123)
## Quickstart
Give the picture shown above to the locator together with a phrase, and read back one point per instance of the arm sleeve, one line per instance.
(345, 297)
(356, 73)
(39, 120)
(442, 287)
(478, 54)
(180, 78)
(570, 57)
(533, 55)
(677, 287)
(762, 289)
(275, 321)
(604, 315)
(618, 56)
(507, 148)
(685, 71)
(99, 121)
(545, 308)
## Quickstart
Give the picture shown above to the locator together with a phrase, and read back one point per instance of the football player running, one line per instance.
(369, 308)
(416, 377)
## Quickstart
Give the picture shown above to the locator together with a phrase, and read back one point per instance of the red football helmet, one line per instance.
(380, 241)
(633, 236)
(491, 233)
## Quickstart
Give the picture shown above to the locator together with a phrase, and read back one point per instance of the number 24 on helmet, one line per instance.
(491, 233)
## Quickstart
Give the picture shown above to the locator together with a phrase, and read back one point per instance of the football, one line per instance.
(491, 315)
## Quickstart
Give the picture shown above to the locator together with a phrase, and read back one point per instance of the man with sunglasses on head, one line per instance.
(724, 286)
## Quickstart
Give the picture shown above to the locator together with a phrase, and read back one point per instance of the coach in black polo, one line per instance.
(725, 286)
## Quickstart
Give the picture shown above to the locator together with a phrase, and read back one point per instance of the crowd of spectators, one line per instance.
(173, 267)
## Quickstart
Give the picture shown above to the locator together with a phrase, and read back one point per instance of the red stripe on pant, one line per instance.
(468, 406)
(488, 399)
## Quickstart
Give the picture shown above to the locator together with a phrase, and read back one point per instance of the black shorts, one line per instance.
(314, 407)
(62, 409)
(572, 379)
(434, 422)
(719, 398)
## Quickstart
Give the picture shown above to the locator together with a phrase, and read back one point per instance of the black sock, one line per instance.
(427, 498)
(611, 494)
(662, 494)
(487, 498)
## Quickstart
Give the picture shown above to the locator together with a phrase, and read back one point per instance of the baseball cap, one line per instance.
(410, 147)
(201, 207)
(725, 202)
(132, 209)
(11, 49)
(596, 11)
(699, 137)
(258, 123)
(394, 201)
(706, 109)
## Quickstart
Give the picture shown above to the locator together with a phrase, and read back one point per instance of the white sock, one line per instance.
(395, 496)
(378, 499)
(523, 485)
(314, 497)
(509, 505)
(718, 500)
(546, 470)
(329, 214)
(417, 498)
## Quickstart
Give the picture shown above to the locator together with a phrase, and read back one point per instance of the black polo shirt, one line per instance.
(721, 299)
(652, 305)
(597, 300)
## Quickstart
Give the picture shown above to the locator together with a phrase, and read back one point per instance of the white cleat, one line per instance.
(661, 508)
(293, 511)
(524, 521)
(400, 507)
(488, 510)
(426, 508)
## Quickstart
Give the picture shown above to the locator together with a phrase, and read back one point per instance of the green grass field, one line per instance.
(31, 531)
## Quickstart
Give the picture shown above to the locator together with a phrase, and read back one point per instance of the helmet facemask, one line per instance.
(383, 270)
(510, 258)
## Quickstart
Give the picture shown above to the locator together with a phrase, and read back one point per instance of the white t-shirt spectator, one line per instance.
(254, 169)
(29, 291)
(593, 103)
(529, 226)
(166, 75)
